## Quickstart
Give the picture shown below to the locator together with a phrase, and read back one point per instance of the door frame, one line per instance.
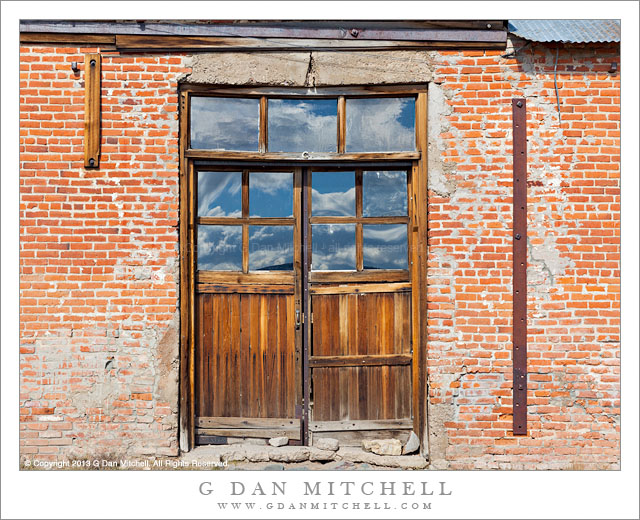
(417, 236)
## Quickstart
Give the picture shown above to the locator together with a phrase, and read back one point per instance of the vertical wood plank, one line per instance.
(342, 124)
(419, 274)
(92, 116)
(264, 120)
(186, 419)
(359, 259)
(192, 295)
(245, 227)
(297, 302)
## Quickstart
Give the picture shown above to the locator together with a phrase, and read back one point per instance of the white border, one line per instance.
(174, 494)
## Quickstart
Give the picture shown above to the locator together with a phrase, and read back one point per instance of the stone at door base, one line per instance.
(412, 445)
(326, 444)
(279, 441)
(318, 455)
(383, 446)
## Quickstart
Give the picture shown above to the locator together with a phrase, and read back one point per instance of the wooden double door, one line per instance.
(303, 302)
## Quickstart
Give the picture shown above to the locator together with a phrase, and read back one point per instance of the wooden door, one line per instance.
(360, 345)
(247, 355)
(306, 334)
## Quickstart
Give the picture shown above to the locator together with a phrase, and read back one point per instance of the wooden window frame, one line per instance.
(417, 223)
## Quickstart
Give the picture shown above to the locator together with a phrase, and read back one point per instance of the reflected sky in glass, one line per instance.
(384, 193)
(271, 248)
(380, 125)
(270, 194)
(219, 248)
(219, 194)
(297, 125)
(384, 246)
(333, 193)
(333, 247)
(224, 123)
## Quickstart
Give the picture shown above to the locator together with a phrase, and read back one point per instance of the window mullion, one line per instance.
(359, 258)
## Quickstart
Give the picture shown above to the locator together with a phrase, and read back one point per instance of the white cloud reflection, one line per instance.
(219, 194)
(380, 124)
(271, 246)
(384, 246)
(224, 123)
(219, 248)
(333, 247)
(299, 125)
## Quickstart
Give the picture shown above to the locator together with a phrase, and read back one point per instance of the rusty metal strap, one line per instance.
(519, 266)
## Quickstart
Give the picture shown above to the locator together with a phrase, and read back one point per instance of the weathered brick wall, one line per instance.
(99, 257)
(99, 254)
(573, 261)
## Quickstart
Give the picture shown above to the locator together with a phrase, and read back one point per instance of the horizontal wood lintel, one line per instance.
(361, 288)
(248, 422)
(384, 424)
(315, 156)
(360, 361)
(237, 288)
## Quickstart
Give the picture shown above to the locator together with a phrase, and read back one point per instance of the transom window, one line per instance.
(331, 125)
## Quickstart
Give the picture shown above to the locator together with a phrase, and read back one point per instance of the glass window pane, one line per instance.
(297, 125)
(219, 248)
(384, 193)
(333, 247)
(271, 194)
(270, 248)
(380, 125)
(219, 194)
(224, 123)
(333, 193)
(384, 246)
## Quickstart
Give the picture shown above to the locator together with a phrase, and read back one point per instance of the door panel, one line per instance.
(251, 315)
(245, 364)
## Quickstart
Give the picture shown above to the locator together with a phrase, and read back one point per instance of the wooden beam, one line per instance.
(246, 422)
(361, 288)
(354, 90)
(266, 277)
(419, 275)
(71, 38)
(92, 117)
(360, 361)
(244, 288)
(185, 403)
(336, 426)
(485, 31)
(374, 275)
(217, 43)
(317, 156)
(292, 433)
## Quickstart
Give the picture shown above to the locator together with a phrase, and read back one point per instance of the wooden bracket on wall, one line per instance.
(519, 107)
(92, 117)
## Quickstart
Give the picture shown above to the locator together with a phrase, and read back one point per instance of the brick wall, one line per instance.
(99, 258)
(573, 260)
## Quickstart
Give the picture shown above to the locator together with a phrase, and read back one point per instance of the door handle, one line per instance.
(297, 318)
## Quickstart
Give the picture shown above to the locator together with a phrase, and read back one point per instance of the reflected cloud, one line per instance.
(341, 203)
(302, 125)
(333, 247)
(271, 247)
(380, 124)
(384, 193)
(271, 194)
(220, 194)
(224, 123)
(219, 248)
(384, 246)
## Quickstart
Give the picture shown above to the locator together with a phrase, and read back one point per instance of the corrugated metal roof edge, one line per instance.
(548, 38)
